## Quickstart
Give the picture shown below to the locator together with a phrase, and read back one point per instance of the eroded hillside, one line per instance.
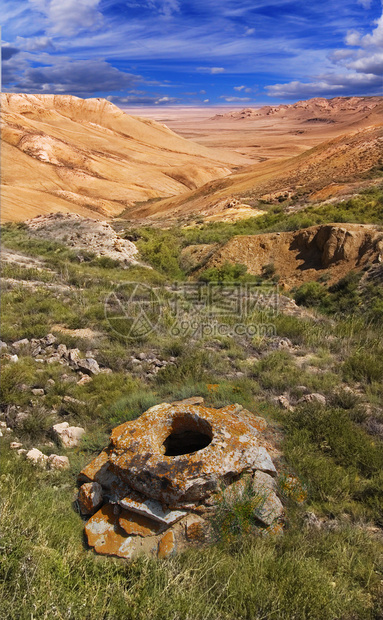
(62, 153)
(351, 157)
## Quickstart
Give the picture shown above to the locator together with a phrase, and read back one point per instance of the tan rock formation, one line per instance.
(163, 473)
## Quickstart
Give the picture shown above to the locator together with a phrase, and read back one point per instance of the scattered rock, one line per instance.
(58, 462)
(89, 365)
(20, 344)
(15, 445)
(3, 346)
(62, 350)
(90, 497)
(313, 398)
(84, 380)
(38, 392)
(70, 436)
(13, 358)
(49, 339)
(283, 402)
(36, 457)
(20, 418)
(51, 383)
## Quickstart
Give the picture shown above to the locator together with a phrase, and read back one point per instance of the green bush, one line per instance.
(310, 294)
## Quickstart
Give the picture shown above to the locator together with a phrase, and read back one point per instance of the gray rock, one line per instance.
(35, 347)
(49, 339)
(74, 355)
(142, 356)
(20, 344)
(38, 392)
(62, 350)
(3, 346)
(313, 398)
(89, 365)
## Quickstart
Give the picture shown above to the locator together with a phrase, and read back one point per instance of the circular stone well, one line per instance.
(162, 473)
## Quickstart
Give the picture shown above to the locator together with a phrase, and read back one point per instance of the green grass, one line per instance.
(47, 573)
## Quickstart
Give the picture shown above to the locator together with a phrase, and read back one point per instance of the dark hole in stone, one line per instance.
(185, 442)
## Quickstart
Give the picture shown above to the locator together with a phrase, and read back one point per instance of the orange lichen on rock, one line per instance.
(167, 545)
(162, 474)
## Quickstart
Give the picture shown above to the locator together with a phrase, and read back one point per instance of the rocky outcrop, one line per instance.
(163, 474)
(83, 233)
(305, 254)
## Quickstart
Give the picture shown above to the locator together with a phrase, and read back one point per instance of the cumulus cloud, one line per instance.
(211, 70)
(69, 17)
(35, 44)
(79, 77)
(362, 65)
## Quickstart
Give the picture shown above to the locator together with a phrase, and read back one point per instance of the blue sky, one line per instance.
(193, 52)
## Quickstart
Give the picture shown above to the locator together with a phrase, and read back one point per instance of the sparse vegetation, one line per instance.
(330, 570)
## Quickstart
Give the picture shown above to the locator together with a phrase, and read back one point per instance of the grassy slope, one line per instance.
(332, 572)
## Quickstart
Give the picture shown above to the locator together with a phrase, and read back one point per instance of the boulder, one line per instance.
(89, 365)
(58, 462)
(70, 436)
(20, 344)
(313, 398)
(36, 457)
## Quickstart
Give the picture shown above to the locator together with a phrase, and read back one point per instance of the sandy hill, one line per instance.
(343, 110)
(62, 153)
(344, 159)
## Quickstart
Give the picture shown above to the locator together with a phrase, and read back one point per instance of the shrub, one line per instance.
(310, 294)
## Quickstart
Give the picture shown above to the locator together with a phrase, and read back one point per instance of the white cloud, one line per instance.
(211, 70)
(239, 88)
(362, 69)
(230, 99)
(69, 17)
(206, 100)
(365, 3)
(35, 44)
